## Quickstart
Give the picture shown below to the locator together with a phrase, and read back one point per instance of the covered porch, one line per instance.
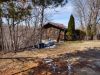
(55, 30)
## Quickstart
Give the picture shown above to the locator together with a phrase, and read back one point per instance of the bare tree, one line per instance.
(87, 12)
(1, 38)
(23, 22)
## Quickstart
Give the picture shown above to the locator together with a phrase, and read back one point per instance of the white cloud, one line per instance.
(61, 14)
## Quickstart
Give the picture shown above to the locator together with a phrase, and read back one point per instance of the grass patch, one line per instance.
(72, 42)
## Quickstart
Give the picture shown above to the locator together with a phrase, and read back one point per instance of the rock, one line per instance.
(48, 60)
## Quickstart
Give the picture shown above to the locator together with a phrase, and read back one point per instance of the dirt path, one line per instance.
(12, 63)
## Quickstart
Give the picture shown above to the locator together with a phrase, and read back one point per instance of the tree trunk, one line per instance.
(41, 23)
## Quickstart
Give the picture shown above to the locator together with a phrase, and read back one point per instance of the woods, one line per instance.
(21, 22)
(88, 16)
(49, 37)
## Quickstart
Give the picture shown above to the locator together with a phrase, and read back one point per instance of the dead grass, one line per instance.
(11, 66)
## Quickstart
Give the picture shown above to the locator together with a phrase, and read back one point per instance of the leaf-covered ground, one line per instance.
(83, 55)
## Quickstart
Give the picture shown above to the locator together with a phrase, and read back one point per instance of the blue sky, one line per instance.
(61, 14)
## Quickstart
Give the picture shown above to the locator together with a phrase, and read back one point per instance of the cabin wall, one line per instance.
(52, 33)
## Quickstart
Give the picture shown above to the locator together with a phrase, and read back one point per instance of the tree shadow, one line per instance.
(89, 53)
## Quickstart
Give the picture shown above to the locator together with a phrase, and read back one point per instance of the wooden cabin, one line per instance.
(54, 31)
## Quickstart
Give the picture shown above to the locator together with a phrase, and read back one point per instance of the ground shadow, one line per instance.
(88, 54)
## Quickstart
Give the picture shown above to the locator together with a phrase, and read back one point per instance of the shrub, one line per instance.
(80, 34)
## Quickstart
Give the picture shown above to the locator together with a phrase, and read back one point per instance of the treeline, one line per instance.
(87, 13)
(21, 22)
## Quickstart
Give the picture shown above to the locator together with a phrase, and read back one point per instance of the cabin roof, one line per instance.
(54, 25)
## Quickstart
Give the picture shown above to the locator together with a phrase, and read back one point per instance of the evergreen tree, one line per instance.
(71, 28)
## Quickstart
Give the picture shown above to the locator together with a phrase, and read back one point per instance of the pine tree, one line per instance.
(71, 28)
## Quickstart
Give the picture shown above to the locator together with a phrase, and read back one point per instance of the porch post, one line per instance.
(59, 36)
